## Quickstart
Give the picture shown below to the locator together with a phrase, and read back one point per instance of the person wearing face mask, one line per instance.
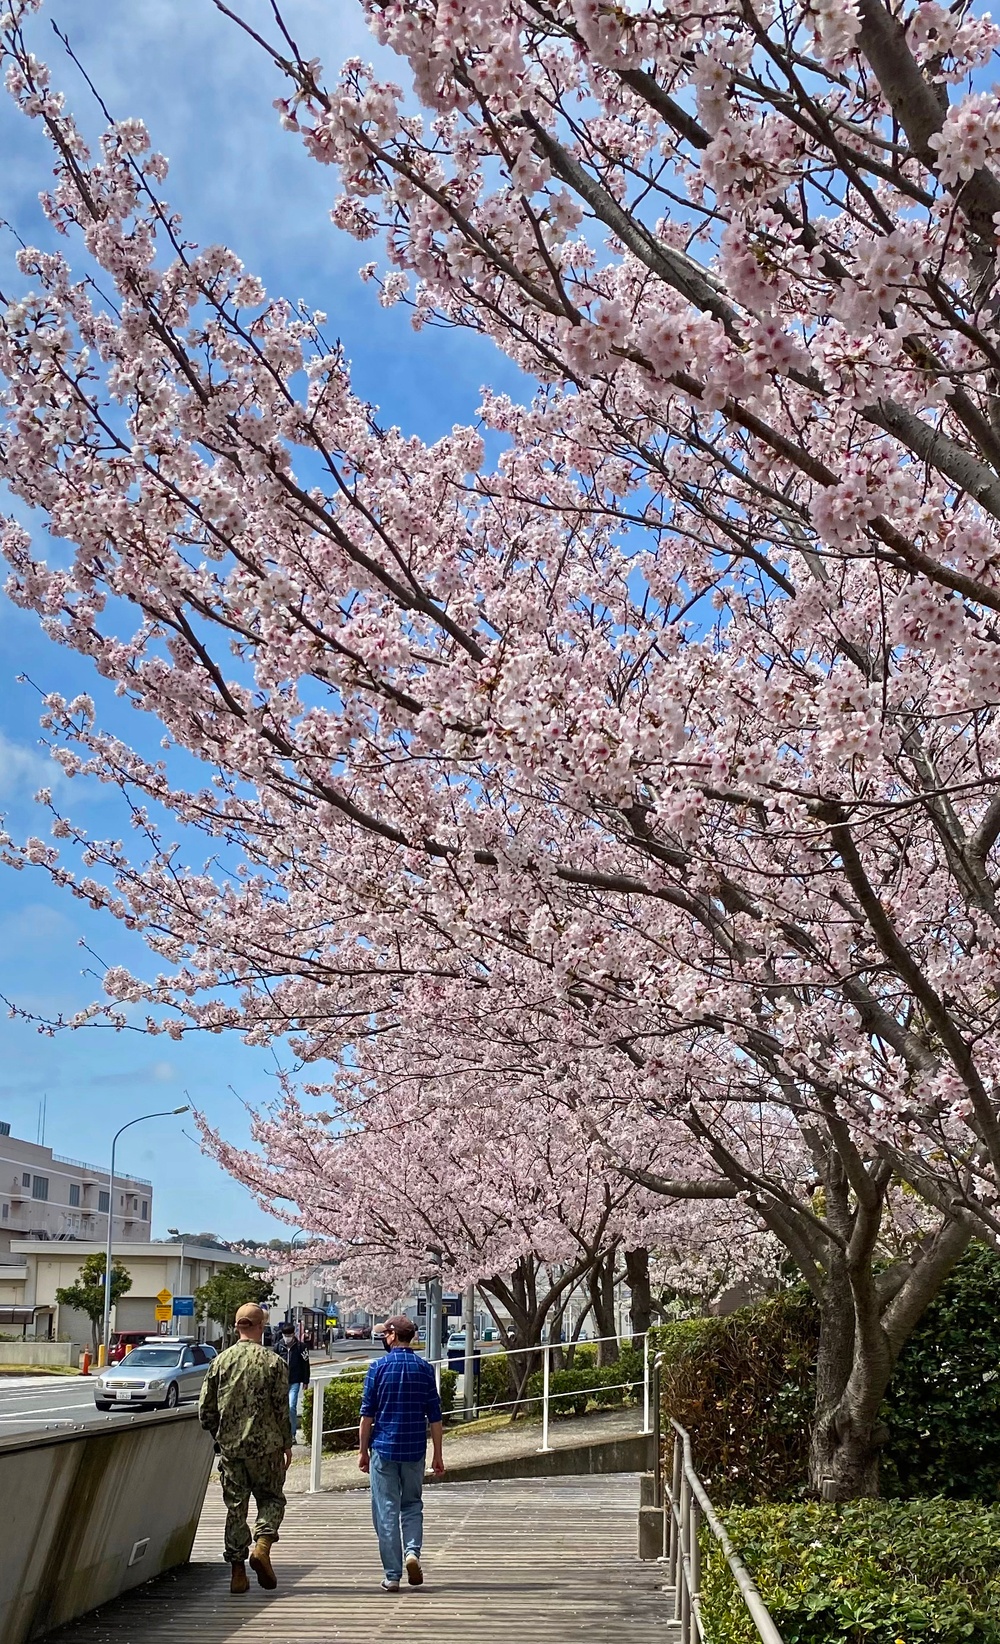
(289, 1348)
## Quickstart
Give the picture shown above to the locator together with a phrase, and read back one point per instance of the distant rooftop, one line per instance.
(78, 1164)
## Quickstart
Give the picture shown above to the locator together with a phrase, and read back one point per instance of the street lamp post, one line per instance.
(180, 1266)
(300, 1233)
(165, 1113)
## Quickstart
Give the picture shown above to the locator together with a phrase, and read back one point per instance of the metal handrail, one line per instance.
(546, 1399)
(685, 1503)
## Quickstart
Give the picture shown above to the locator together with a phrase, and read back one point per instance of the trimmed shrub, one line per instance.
(869, 1572)
(572, 1392)
(342, 1407)
(943, 1410)
(743, 1388)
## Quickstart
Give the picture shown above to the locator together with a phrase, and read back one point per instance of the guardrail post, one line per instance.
(675, 1497)
(316, 1452)
(546, 1367)
(682, 1596)
(695, 1571)
(657, 1440)
(645, 1384)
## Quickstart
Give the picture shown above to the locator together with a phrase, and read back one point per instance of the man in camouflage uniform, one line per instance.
(244, 1405)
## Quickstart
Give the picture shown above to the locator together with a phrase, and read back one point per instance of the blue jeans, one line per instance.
(397, 1510)
(294, 1394)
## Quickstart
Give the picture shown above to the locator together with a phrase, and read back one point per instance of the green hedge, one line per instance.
(572, 1392)
(870, 1572)
(342, 1407)
(743, 1386)
(943, 1412)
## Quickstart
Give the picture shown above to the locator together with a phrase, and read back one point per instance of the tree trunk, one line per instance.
(641, 1303)
(852, 1375)
(522, 1337)
(601, 1283)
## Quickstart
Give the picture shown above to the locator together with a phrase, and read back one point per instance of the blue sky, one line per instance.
(205, 93)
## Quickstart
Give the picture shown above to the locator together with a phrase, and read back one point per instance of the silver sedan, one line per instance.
(162, 1376)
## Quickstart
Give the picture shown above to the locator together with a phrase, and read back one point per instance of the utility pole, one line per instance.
(469, 1368)
(433, 1287)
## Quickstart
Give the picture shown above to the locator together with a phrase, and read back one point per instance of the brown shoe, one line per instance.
(414, 1574)
(239, 1581)
(260, 1564)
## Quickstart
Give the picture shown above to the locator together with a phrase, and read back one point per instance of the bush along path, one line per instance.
(865, 1572)
(743, 1387)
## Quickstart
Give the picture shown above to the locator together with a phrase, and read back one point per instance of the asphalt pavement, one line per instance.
(48, 1403)
(30, 1404)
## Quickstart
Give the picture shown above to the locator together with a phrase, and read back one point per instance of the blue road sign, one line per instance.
(184, 1307)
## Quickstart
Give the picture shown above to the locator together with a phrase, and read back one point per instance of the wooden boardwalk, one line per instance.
(515, 1562)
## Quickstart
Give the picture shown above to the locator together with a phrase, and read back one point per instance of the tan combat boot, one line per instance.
(239, 1581)
(260, 1563)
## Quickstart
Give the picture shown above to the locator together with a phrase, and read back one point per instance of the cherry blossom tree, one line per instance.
(661, 752)
(486, 1186)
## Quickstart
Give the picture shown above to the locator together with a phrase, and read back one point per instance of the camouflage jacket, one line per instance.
(244, 1401)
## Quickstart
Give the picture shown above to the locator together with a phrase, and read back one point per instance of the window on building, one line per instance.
(26, 1179)
(145, 1210)
(40, 1187)
(6, 1212)
(104, 1200)
(74, 1193)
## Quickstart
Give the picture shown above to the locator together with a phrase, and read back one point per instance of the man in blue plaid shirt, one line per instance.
(399, 1400)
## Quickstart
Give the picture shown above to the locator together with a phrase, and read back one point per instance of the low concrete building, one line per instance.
(46, 1196)
(154, 1265)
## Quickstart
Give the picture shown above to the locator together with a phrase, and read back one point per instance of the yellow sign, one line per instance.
(165, 1297)
(164, 1315)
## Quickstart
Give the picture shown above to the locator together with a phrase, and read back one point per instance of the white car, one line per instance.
(161, 1373)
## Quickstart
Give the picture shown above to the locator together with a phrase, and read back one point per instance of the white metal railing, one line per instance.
(685, 1504)
(547, 1398)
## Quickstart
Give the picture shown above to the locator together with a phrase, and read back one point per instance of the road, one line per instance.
(48, 1403)
(31, 1404)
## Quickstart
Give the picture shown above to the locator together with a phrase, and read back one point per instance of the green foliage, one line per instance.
(227, 1291)
(494, 1387)
(870, 1572)
(342, 1407)
(943, 1412)
(87, 1295)
(572, 1392)
(743, 1388)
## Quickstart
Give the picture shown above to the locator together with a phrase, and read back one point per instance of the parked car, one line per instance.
(356, 1332)
(122, 1342)
(162, 1372)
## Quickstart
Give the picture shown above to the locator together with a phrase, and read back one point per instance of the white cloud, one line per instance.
(23, 769)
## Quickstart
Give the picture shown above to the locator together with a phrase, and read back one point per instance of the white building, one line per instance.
(46, 1196)
(34, 1270)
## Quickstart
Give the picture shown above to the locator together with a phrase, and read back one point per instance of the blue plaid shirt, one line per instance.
(401, 1396)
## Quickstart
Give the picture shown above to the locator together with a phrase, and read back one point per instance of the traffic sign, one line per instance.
(163, 1314)
(165, 1297)
(184, 1307)
(331, 1320)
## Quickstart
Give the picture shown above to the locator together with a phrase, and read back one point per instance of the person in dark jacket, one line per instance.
(289, 1348)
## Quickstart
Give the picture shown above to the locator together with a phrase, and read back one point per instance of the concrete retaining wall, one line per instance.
(633, 1454)
(40, 1352)
(96, 1511)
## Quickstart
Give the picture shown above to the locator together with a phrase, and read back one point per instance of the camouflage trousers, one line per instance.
(242, 1477)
